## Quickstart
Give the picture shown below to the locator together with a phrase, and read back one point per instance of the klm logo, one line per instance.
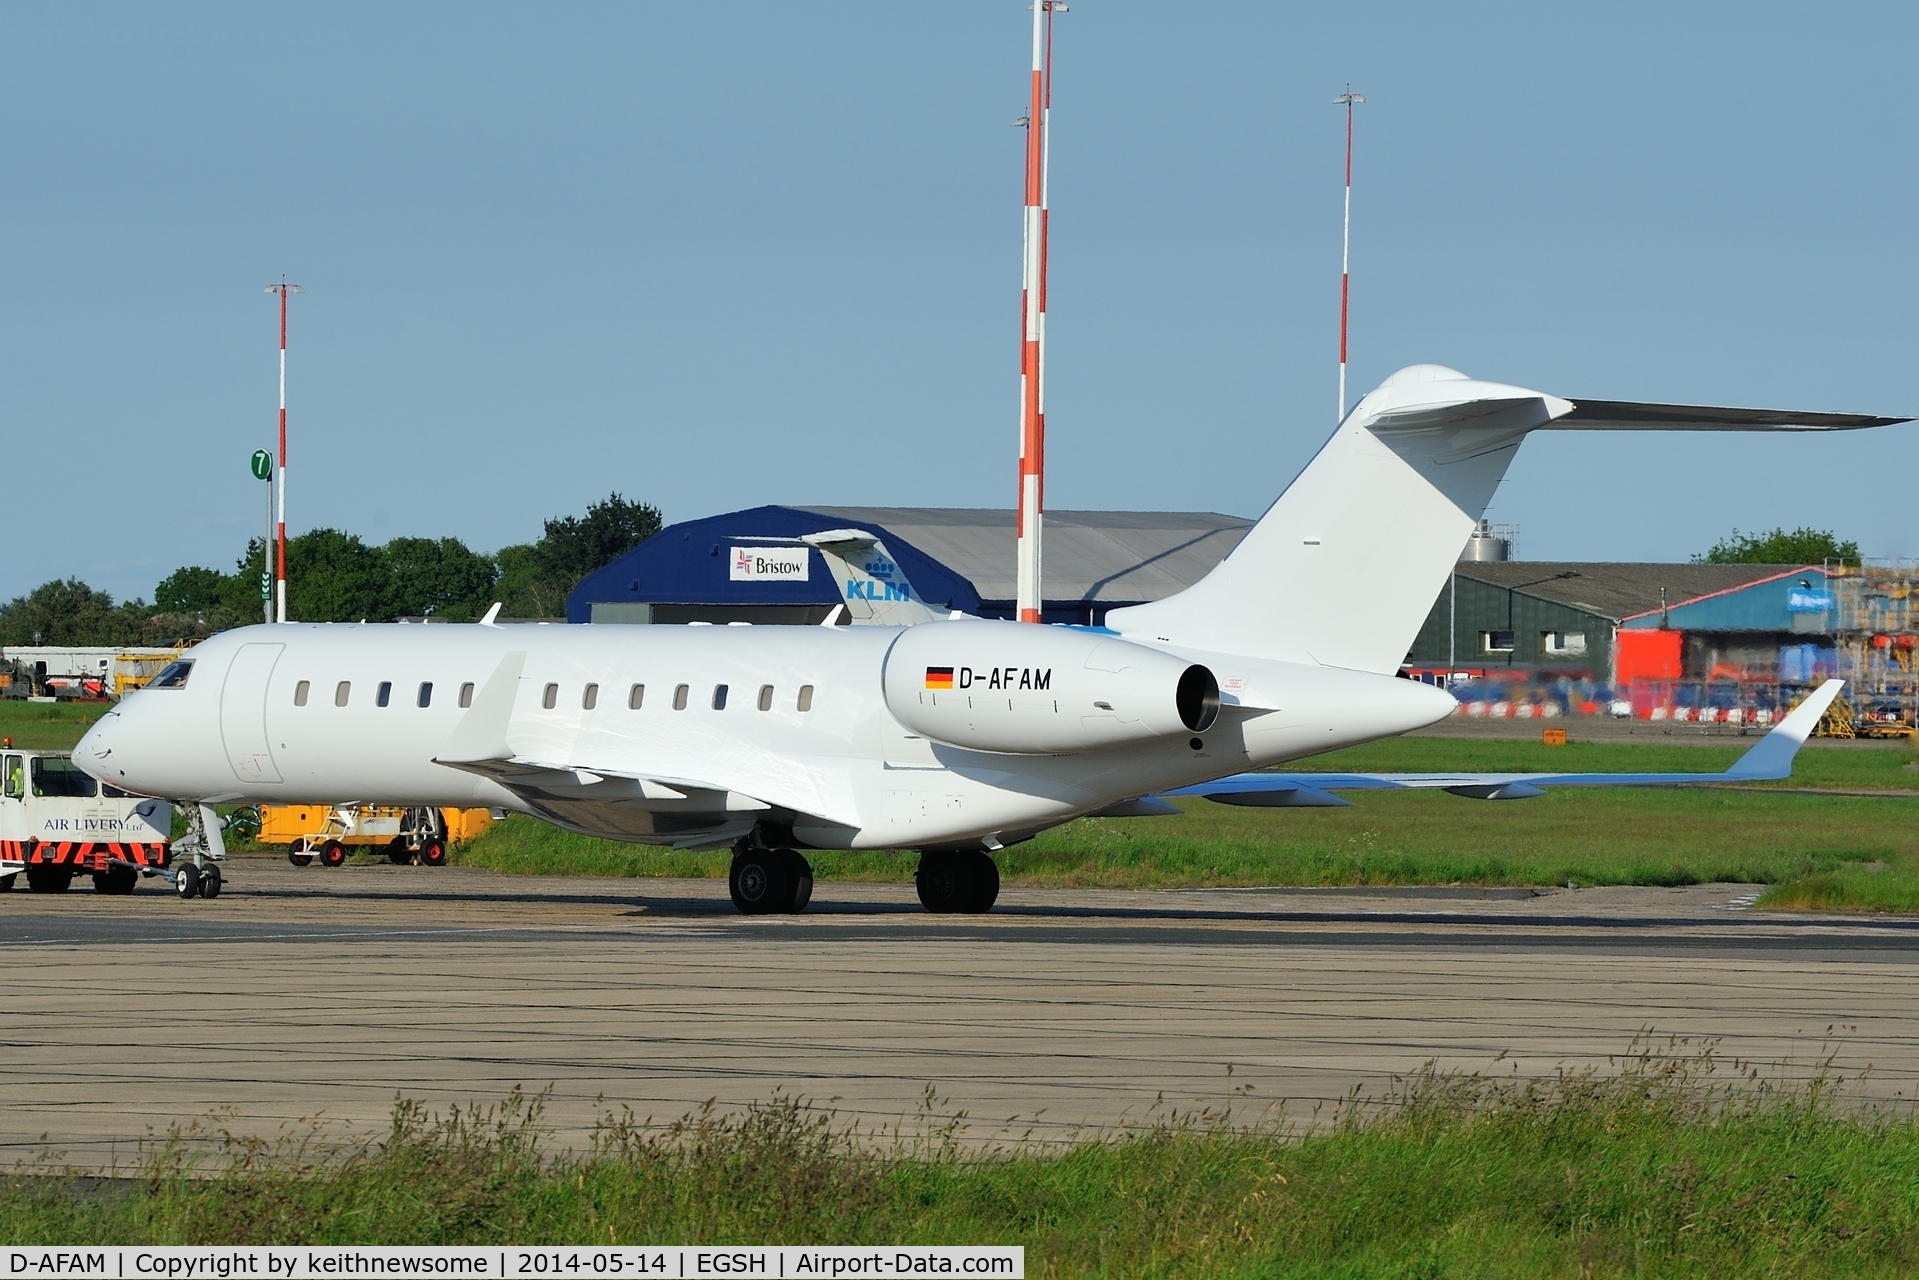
(856, 590)
(880, 567)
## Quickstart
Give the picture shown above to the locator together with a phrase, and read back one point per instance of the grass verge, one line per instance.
(1589, 837)
(1672, 1166)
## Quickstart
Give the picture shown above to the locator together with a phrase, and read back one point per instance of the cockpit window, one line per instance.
(174, 676)
(58, 776)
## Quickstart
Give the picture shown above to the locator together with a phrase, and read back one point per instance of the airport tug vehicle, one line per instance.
(56, 823)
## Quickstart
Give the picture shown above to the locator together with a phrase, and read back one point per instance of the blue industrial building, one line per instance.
(955, 558)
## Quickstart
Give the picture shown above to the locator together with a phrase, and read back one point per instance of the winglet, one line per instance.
(491, 614)
(1771, 757)
(481, 733)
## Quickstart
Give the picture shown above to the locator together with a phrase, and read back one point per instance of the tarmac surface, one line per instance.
(304, 994)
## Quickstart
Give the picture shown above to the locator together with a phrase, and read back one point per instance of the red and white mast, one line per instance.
(280, 575)
(1347, 100)
(1032, 436)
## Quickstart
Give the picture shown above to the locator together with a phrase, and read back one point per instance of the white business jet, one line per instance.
(951, 736)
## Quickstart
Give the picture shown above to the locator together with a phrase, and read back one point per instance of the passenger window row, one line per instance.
(550, 696)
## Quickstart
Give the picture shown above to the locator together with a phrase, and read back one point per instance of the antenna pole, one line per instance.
(1347, 100)
(1032, 440)
(280, 574)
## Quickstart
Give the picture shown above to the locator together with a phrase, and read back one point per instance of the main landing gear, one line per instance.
(957, 882)
(769, 881)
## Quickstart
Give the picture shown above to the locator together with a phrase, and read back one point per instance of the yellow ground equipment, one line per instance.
(326, 832)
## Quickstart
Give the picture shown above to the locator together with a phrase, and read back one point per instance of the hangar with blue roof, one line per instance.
(955, 558)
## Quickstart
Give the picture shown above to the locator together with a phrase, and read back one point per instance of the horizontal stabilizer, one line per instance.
(1628, 415)
(1769, 760)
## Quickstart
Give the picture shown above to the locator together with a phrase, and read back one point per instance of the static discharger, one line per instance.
(1032, 376)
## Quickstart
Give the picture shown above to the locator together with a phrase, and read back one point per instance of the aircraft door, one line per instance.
(243, 713)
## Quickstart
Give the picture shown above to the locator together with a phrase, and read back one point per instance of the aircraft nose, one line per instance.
(95, 751)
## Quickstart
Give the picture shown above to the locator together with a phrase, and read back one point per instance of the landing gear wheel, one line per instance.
(753, 880)
(957, 883)
(45, 879)
(802, 872)
(187, 881)
(115, 880)
(210, 882)
(332, 854)
(433, 853)
(298, 853)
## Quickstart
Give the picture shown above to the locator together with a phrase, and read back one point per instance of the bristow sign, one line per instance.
(769, 564)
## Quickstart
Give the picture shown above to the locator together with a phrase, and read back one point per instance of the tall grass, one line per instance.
(1673, 1164)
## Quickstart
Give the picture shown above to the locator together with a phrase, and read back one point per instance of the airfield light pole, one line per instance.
(1347, 99)
(280, 574)
(1032, 437)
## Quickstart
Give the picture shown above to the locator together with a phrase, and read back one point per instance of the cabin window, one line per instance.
(16, 783)
(172, 676)
(300, 692)
(806, 698)
(679, 697)
(551, 698)
(635, 696)
(466, 694)
(766, 697)
(426, 693)
(385, 695)
(591, 697)
(1495, 642)
(340, 692)
(112, 792)
(719, 697)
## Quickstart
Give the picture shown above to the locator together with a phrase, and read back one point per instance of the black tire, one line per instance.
(117, 881)
(332, 854)
(46, 879)
(802, 876)
(399, 855)
(211, 882)
(761, 882)
(299, 853)
(433, 853)
(6, 882)
(957, 883)
(985, 884)
(941, 881)
(186, 882)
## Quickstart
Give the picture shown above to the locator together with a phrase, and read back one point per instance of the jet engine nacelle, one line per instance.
(1038, 690)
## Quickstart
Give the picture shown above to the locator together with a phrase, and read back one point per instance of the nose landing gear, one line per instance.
(196, 873)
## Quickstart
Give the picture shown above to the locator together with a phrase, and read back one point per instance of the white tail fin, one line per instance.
(1344, 568)
(875, 587)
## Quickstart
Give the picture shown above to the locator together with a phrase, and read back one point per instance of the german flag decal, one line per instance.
(939, 677)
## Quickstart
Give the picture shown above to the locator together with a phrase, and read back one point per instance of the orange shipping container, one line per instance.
(1646, 655)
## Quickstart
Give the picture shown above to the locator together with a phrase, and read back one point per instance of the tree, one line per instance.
(68, 612)
(334, 577)
(573, 547)
(189, 589)
(1801, 546)
(439, 578)
(536, 579)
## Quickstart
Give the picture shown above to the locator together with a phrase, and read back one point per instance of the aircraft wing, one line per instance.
(1768, 760)
(594, 778)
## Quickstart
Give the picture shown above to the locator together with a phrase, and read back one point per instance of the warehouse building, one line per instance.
(1659, 638)
(956, 558)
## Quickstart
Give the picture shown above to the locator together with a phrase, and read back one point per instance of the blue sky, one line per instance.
(720, 255)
